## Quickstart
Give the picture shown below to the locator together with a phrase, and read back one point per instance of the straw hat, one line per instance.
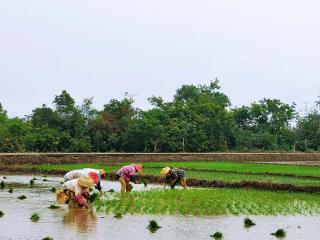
(164, 171)
(85, 181)
(61, 197)
(138, 167)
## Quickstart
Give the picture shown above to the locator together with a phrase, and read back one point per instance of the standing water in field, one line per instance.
(65, 223)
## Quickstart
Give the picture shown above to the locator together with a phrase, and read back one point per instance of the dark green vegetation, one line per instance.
(153, 226)
(2, 185)
(217, 235)
(280, 233)
(198, 119)
(10, 190)
(53, 207)
(1, 214)
(53, 189)
(94, 197)
(118, 215)
(22, 197)
(248, 222)
(31, 182)
(47, 238)
(35, 217)
(211, 202)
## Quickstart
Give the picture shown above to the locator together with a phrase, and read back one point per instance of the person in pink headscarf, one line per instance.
(127, 174)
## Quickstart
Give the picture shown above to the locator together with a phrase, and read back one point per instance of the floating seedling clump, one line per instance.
(280, 233)
(45, 180)
(22, 197)
(2, 185)
(145, 183)
(47, 238)
(35, 217)
(1, 213)
(118, 215)
(53, 189)
(248, 222)
(153, 226)
(111, 190)
(217, 235)
(53, 207)
(10, 190)
(130, 187)
(4, 177)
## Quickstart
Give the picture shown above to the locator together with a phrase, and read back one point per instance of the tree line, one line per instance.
(198, 119)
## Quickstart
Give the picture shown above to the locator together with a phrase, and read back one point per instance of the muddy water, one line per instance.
(67, 223)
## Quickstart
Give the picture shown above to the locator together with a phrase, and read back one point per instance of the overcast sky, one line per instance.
(103, 49)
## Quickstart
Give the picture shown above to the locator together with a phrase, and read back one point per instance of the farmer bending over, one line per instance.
(174, 176)
(75, 192)
(95, 175)
(126, 174)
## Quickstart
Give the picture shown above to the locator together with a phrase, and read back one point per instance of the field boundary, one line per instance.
(192, 182)
(60, 158)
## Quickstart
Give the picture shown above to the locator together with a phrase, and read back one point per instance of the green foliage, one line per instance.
(280, 233)
(217, 235)
(53, 189)
(198, 119)
(2, 185)
(1, 214)
(94, 197)
(35, 217)
(10, 190)
(212, 202)
(47, 238)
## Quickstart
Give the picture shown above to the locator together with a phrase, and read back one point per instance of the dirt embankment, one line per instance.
(57, 158)
(190, 181)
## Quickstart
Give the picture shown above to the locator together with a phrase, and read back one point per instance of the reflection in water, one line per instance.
(83, 220)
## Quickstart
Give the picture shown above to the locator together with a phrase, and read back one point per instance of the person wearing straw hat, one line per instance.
(76, 191)
(174, 176)
(127, 174)
(95, 175)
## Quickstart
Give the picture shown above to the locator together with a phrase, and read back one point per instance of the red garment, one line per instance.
(95, 177)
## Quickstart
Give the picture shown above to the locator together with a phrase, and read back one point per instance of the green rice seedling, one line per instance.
(31, 182)
(153, 226)
(53, 189)
(130, 187)
(4, 177)
(248, 222)
(2, 185)
(45, 180)
(217, 235)
(280, 233)
(44, 176)
(118, 215)
(93, 197)
(90, 189)
(34, 179)
(10, 190)
(47, 238)
(35, 217)
(1, 214)
(111, 190)
(22, 197)
(53, 207)
(61, 182)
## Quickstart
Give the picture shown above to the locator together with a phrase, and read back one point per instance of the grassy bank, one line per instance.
(221, 171)
(211, 202)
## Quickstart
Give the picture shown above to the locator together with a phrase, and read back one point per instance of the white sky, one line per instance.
(106, 48)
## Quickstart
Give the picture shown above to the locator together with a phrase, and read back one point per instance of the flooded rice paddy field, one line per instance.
(65, 223)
